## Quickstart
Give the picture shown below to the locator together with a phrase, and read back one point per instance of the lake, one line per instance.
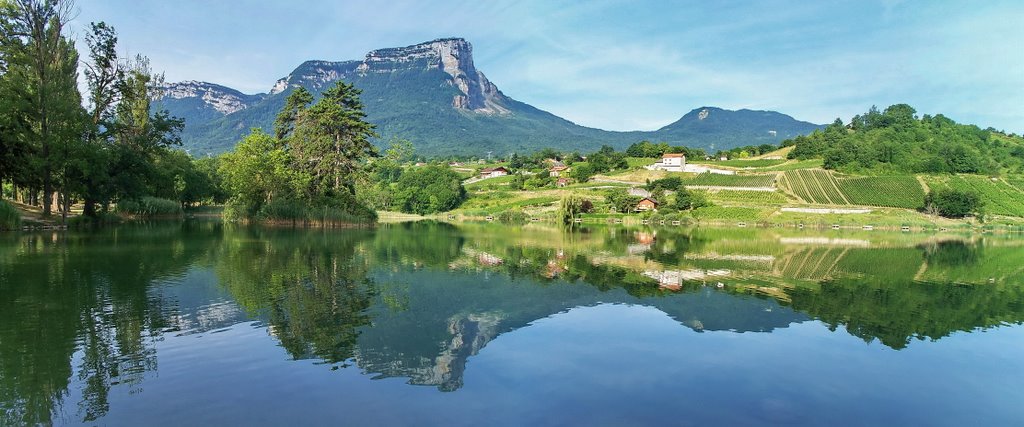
(199, 323)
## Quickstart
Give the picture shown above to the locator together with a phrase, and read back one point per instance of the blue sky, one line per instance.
(623, 65)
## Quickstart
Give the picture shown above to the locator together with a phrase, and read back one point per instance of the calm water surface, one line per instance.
(428, 324)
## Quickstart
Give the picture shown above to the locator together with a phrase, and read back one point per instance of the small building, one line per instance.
(672, 162)
(562, 182)
(493, 172)
(557, 169)
(647, 204)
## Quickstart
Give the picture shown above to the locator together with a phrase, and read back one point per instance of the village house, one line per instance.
(493, 172)
(647, 204)
(672, 162)
(557, 169)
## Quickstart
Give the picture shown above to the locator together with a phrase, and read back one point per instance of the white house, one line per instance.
(672, 162)
(493, 173)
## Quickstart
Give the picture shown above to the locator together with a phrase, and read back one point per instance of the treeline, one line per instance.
(897, 140)
(55, 151)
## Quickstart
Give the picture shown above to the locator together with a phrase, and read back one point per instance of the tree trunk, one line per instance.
(90, 208)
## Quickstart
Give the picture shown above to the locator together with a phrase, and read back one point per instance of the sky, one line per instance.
(622, 65)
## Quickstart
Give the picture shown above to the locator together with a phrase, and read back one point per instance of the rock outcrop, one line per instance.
(222, 99)
(453, 56)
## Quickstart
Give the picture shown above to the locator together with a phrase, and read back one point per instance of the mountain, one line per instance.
(727, 129)
(432, 94)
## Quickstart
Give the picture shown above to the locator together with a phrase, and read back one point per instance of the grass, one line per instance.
(717, 180)
(637, 175)
(794, 165)
(1000, 198)
(297, 213)
(149, 207)
(748, 163)
(886, 191)
(711, 213)
(639, 162)
(10, 217)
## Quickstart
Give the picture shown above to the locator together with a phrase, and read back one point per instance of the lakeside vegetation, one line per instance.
(115, 149)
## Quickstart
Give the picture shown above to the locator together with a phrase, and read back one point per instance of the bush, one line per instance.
(513, 217)
(952, 203)
(149, 207)
(10, 218)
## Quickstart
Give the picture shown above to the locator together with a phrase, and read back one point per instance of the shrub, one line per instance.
(513, 217)
(10, 218)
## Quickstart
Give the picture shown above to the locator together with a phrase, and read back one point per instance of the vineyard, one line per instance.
(814, 186)
(1016, 182)
(717, 180)
(1000, 198)
(747, 197)
(887, 191)
(822, 187)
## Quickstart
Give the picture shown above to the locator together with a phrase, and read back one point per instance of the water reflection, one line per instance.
(82, 313)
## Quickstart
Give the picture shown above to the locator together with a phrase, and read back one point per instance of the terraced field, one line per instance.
(717, 180)
(1000, 198)
(747, 197)
(886, 191)
(814, 186)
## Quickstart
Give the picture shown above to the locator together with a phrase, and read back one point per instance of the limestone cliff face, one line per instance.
(222, 99)
(453, 56)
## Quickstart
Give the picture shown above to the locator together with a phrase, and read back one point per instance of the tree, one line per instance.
(43, 62)
(571, 207)
(687, 200)
(621, 201)
(428, 190)
(139, 136)
(295, 104)
(952, 203)
(330, 139)
(256, 173)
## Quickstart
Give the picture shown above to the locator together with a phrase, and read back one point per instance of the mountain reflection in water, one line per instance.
(82, 313)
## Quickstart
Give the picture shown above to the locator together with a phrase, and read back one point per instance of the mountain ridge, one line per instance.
(432, 94)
